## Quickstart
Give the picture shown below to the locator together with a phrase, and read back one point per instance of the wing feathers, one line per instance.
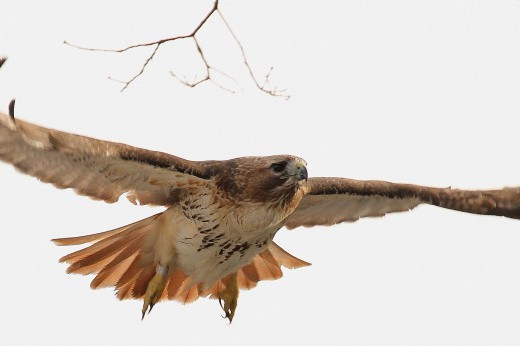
(505, 202)
(99, 169)
(333, 200)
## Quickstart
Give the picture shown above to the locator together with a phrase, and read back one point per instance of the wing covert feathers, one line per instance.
(117, 260)
(333, 200)
(99, 169)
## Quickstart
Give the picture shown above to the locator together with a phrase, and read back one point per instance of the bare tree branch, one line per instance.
(207, 77)
(262, 87)
(157, 44)
(3, 59)
(209, 68)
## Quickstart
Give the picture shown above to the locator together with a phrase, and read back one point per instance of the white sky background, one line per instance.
(424, 92)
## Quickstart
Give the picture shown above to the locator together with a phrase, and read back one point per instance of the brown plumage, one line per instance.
(220, 217)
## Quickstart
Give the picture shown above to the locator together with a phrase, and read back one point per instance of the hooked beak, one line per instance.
(299, 170)
(303, 173)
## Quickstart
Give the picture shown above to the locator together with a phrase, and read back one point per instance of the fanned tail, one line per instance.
(115, 256)
(117, 259)
(265, 266)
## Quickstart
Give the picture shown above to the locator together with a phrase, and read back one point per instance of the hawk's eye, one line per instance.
(279, 167)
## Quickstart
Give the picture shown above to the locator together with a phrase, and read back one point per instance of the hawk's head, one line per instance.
(266, 179)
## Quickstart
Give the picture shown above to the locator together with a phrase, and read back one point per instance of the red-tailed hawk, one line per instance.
(216, 234)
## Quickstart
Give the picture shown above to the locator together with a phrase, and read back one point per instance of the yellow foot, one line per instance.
(230, 298)
(154, 289)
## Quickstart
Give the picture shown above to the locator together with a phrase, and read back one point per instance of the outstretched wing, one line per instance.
(99, 169)
(330, 201)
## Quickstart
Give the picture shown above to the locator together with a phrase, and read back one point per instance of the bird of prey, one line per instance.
(216, 233)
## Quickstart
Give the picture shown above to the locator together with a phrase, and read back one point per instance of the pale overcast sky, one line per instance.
(419, 91)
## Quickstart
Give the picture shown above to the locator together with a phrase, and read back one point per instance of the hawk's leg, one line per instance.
(154, 289)
(230, 297)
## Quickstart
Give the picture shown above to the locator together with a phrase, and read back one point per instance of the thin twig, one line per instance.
(208, 67)
(208, 76)
(272, 92)
(157, 44)
(147, 61)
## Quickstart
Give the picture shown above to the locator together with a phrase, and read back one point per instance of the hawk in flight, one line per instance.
(216, 233)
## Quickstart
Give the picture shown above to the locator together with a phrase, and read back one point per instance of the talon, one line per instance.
(154, 290)
(230, 298)
(222, 307)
